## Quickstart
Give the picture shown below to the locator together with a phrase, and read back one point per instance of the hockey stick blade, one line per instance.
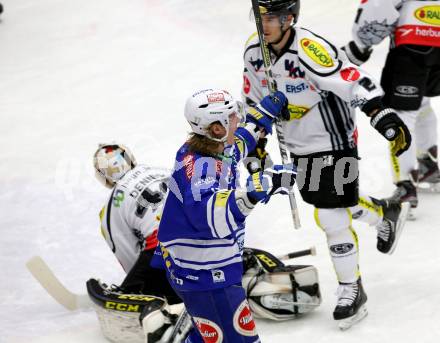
(47, 279)
(301, 253)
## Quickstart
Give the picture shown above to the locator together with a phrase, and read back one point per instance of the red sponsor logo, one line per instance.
(246, 85)
(210, 331)
(188, 163)
(364, 1)
(264, 83)
(356, 136)
(350, 74)
(216, 97)
(243, 320)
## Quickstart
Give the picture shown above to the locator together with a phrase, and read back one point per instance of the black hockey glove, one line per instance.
(356, 54)
(259, 158)
(393, 129)
(278, 179)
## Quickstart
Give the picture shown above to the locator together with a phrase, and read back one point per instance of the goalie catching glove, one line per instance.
(263, 184)
(393, 129)
(267, 111)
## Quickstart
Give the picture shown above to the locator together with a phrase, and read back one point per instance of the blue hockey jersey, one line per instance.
(201, 232)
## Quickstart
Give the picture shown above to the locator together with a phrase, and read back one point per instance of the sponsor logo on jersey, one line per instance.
(341, 249)
(218, 276)
(297, 112)
(428, 14)
(298, 88)
(118, 198)
(316, 52)
(264, 83)
(216, 97)
(246, 85)
(350, 74)
(257, 64)
(243, 320)
(188, 163)
(293, 71)
(210, 331)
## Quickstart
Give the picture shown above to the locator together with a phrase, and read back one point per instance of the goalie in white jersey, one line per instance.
(410, 77)
(323, 89)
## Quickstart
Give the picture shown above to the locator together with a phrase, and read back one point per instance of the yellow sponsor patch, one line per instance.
(297, 112)
(222, 198)
(316, 52)
(428, 14)
(121, 307)
(257, 183)
(240, 145)
(135, 297)
(254, 113)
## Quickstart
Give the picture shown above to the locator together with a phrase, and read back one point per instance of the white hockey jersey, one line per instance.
(131, 217)
(415, 22)
(323, 88)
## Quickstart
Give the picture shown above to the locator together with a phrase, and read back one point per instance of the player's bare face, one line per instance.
(271, 28)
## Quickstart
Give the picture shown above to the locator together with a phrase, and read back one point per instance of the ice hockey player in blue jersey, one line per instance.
(201, 233)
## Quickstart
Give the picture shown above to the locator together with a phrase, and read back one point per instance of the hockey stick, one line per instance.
(289, 256)
(44, 275)
(272, 88)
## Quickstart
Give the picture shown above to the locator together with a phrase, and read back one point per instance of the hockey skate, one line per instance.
(406, 191)
(428, 177)
(391, 226)
(351, 307)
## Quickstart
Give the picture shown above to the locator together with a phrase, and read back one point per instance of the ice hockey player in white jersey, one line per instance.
(323, 89)
(130, 218)
(410, 77)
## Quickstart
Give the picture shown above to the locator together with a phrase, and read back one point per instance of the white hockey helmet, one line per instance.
(111, 162)
(208, 106)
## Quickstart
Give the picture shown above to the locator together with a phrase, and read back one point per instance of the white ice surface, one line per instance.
(75, 73)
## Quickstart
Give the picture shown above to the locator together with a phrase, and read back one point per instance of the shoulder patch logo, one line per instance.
(428, 14)
(316, 52)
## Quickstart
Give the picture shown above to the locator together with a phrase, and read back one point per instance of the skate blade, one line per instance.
(345, 324)
(403, 216)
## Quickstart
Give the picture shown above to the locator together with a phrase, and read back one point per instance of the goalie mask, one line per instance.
(111, 162)
(209, 106)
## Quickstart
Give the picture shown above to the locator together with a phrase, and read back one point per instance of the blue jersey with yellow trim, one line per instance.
(201, 232)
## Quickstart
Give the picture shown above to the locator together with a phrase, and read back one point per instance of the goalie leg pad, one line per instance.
(283, 294)
(119, 315)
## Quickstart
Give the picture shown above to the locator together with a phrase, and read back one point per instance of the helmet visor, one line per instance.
(270, 19)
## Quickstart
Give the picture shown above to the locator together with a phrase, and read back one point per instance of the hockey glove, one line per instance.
(259, 158)
(393, 129)
(278, 179)
(356, 54)
(267, 111)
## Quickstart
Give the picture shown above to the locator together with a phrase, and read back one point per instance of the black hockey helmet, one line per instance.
(280, 7)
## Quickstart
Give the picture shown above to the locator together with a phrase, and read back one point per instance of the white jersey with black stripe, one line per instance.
(322, 86)
(130, 219)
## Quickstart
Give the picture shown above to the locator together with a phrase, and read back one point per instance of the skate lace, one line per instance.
(383, 230)
(347, 294)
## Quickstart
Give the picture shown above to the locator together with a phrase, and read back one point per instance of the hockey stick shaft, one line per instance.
(47, 279)
(301, 253)
(272, 88)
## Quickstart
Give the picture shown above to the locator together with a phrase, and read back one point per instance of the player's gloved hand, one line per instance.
(267, 111)
(259, 158)
(389, 125)
(278, 179)
(356, 54)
